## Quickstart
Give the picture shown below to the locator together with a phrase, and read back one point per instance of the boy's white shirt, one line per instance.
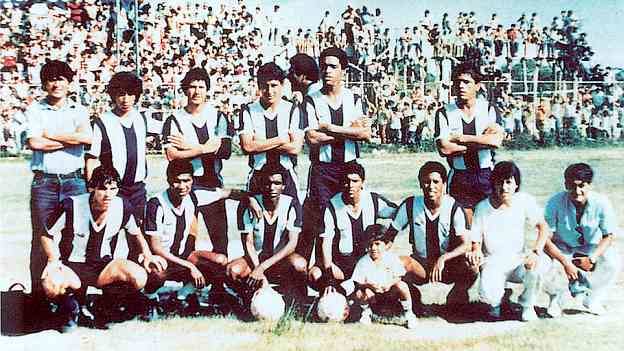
(383, 272)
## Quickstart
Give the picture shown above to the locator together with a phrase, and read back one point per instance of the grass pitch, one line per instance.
(395, 176)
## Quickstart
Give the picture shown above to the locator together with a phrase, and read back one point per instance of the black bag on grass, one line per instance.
(16, 308)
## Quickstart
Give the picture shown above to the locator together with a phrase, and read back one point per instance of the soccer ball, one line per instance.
(333, 307)
(267, 304)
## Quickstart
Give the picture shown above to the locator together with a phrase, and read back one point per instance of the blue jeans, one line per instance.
(46, 195)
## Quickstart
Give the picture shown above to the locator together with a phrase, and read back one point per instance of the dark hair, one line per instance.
(194, 74)
(179, 166)
(55, 69)
(306, 65)
(354, 168)
(432, 167)
(103, 175)
(578, 171)
(270, 169)
(376, 232)
(270, 71)
(338, 53)
(125, 82)
(505, 170)
(467, 67)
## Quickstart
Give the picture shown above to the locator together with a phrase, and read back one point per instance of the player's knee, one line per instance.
(135, 276)
(314, 275)
(299, 264)
(234, 271)
(221, 260)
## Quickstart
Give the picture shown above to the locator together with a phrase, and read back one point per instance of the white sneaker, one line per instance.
(594, 307)
(528, 314)
(411, 320)
(366, 317)
(554, 309)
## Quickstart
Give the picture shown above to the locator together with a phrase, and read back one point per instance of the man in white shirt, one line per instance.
(499, 246)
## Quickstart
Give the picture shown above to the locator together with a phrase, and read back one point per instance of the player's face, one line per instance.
(103, 195)
(376, 249)
(578, 191)
(505, 189)
(353, 185)
(432, 186)
(196, 92)
(124, 102)
(182, 184)
(56, 88)
(467, 88)
(271, 92)
(331, 71)
(274, 186)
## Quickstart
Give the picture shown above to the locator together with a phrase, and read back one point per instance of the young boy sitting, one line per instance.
(377, 278)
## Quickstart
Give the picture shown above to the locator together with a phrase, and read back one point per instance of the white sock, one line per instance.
(407, 305)
(185, 291)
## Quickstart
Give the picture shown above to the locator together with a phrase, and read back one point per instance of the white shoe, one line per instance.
(594, 307)
(528, 314)
(366, 317)
(554, 309)
(411, 320)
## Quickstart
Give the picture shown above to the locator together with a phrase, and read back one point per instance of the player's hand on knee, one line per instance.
(154, 263)
(198, 278)
(475, 258)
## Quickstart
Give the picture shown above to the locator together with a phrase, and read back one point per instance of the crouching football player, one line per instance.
(79, 243)
(171, 226)
(269, 243)
(377, 278)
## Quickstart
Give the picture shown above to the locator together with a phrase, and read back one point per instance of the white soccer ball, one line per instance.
(267, 304)
(333, 307)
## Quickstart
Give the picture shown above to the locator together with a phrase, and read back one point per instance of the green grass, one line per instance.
(392, 174)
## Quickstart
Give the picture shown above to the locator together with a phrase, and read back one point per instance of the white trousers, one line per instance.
(499, 269)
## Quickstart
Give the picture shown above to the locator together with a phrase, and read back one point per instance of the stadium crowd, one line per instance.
(405, 73)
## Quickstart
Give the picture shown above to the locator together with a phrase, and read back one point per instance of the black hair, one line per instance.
(55, 69)
(467, 67)
(338, 53)
(125, 82)
(376, 232)
(270, 71)
(103, 175)
(505, 170)
(270, 169)
(306, 65)
(354, 168)
(194, 74)
(177, 167)
(578, 171)
(432, 167)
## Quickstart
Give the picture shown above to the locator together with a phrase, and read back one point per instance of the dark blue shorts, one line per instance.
(468, 187)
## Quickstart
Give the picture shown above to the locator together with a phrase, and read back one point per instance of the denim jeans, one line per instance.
(46, 195)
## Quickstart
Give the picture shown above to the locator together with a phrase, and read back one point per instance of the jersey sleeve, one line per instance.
(442, 130)
(153, 216)
(294, 220)
(207, 197)
(169, 128)
(400, 220)
(222, 129)
(359, 273)
(246, 126)
(385, 207)
(460, 221)
(329, 227)
(534, 212)
(96, 142)
(396, 265)
(550, 213)
(295, 120)
(310, 114)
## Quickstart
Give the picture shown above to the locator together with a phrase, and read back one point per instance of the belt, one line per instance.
(75, 174)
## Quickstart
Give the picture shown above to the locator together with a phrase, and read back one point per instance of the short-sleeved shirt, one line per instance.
(172, 224)
(263, 125)
(502, 230)
(347, 229)
(79, 238)
(382, 272)
(120, 143)
(320, 111)
(451, 120)
(598, 220)
(268, 234)
(450, 221)
(208, 125)
(43, 117)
